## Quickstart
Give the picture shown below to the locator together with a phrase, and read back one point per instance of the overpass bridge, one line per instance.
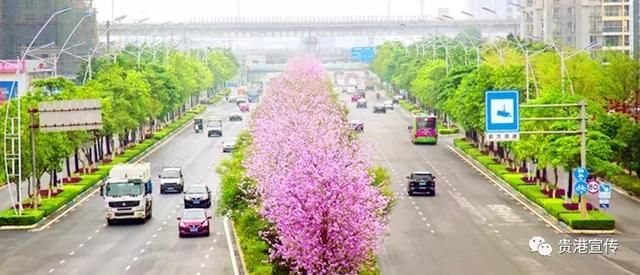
(312, 26)
(279, 67)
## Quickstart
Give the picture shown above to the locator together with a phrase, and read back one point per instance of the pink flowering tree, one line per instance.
(312, 176)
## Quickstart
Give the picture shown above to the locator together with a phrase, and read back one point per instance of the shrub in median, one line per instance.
(28, 217)
(596, 220)
(448, 131)
(513, 179)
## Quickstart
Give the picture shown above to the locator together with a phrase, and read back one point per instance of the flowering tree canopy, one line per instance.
(312, 177)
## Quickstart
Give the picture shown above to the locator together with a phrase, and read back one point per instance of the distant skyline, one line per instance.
(186, 10)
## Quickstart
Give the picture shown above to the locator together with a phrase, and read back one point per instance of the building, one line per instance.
(575, 23)
(20, 20)
(616, 25)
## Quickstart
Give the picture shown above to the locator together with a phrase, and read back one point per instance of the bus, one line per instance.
(424, 129)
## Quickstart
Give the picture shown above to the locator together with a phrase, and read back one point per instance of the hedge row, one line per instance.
(70, 191)
(629, 183)
(448, 131)
(596, 220)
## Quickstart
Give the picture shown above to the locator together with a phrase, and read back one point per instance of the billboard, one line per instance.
(70, 115)
(8, 89)
(11, 66)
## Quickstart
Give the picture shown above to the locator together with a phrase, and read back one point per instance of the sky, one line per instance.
(185, 10)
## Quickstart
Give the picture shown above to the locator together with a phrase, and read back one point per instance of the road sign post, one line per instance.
(502, 115)
(604, 195)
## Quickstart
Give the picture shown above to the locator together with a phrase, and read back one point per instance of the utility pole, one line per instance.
(238, 9)
(32, 127)
(108, 35)
(421, 8)
(388, 7)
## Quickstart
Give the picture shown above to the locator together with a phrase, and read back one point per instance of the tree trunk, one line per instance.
(76, 160)
(569, 192)
(68, 167)
(109, 139)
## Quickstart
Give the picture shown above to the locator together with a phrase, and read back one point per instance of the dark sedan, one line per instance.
(235, 117)
(421, 182)
(379, 108)
(197, 196)
(193, 222)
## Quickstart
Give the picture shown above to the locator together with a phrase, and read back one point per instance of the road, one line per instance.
(82, 243)
(470, 226)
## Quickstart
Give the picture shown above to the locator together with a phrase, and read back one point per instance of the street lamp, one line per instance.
(468, 38)
(57, 57)
(88, 71)
(10, 134)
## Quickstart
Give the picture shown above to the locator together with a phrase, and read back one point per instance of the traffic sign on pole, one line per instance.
(605, 191)
(581, 174)
(581, 188)
(593, 187)
(363, 54)
(502, 115)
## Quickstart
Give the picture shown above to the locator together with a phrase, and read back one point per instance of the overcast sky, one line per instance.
(184, 10)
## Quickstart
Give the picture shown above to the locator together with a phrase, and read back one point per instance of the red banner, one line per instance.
(11, 66)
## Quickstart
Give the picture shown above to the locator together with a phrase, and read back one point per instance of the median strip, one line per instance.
(75, 194)
(596, 223)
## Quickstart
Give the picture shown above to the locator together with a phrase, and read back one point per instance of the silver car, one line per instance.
(228, 145)
(388, 104)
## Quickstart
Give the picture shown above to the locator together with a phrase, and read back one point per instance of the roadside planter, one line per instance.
(74, 188)
(556, 207)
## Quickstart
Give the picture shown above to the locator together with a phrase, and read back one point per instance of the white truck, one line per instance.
(127, 192)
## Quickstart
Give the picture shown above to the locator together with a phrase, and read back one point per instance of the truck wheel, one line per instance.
(110, 222)
(161, 191)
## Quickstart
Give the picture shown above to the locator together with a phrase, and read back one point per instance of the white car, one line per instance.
(388, 104)
(228, 145)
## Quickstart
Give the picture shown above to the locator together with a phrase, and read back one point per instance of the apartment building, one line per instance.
(20, 20)
(574, 23)
(616, 25)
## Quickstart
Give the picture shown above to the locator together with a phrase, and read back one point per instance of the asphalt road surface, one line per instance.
(82, 243)
(470, 226)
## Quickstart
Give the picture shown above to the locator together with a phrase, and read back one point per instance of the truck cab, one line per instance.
(171, 180)
(127, 192)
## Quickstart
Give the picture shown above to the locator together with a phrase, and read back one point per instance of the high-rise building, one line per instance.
(20, 20)
(616, 25)
(574, 23)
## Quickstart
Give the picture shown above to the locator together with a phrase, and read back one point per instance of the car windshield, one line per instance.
(197, 190)
(170, 173)
(194, 215)
(214, 123)
(118, 189)
(422, 177)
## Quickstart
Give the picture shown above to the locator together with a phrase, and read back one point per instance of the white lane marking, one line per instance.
(104, 225)
(169, 217)
(217, 233)
(424, 219)
(413, 202)
(420, 213)
(127, 268)
(211, 247)
(198, 273)
(206, 256)
(62, 262)
(416, 207)
(234, 264)
(201, 264)
(164, 222)
(52, 270)
(173, 211)
(71, 253)
(428, 225)
(159, 228)
(148, 243)
(555, 227)
(97, 230)
(142, 250)
(154, 235)
(135, 259)
(432, 231)
(215, 240)
(81, 245)
(89, 238)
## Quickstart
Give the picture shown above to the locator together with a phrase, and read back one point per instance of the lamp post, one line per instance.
(88, 70)
(468, 38)
(57, 57)
(12, 127)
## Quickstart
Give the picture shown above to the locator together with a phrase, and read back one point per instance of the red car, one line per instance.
(193, 222)
(244, 107)
(355, 97)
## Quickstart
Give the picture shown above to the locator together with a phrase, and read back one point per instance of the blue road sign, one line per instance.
(604, 205)
(581, 188)
(502, 112)
(581, 174)
(363, 54)
(605, 190)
